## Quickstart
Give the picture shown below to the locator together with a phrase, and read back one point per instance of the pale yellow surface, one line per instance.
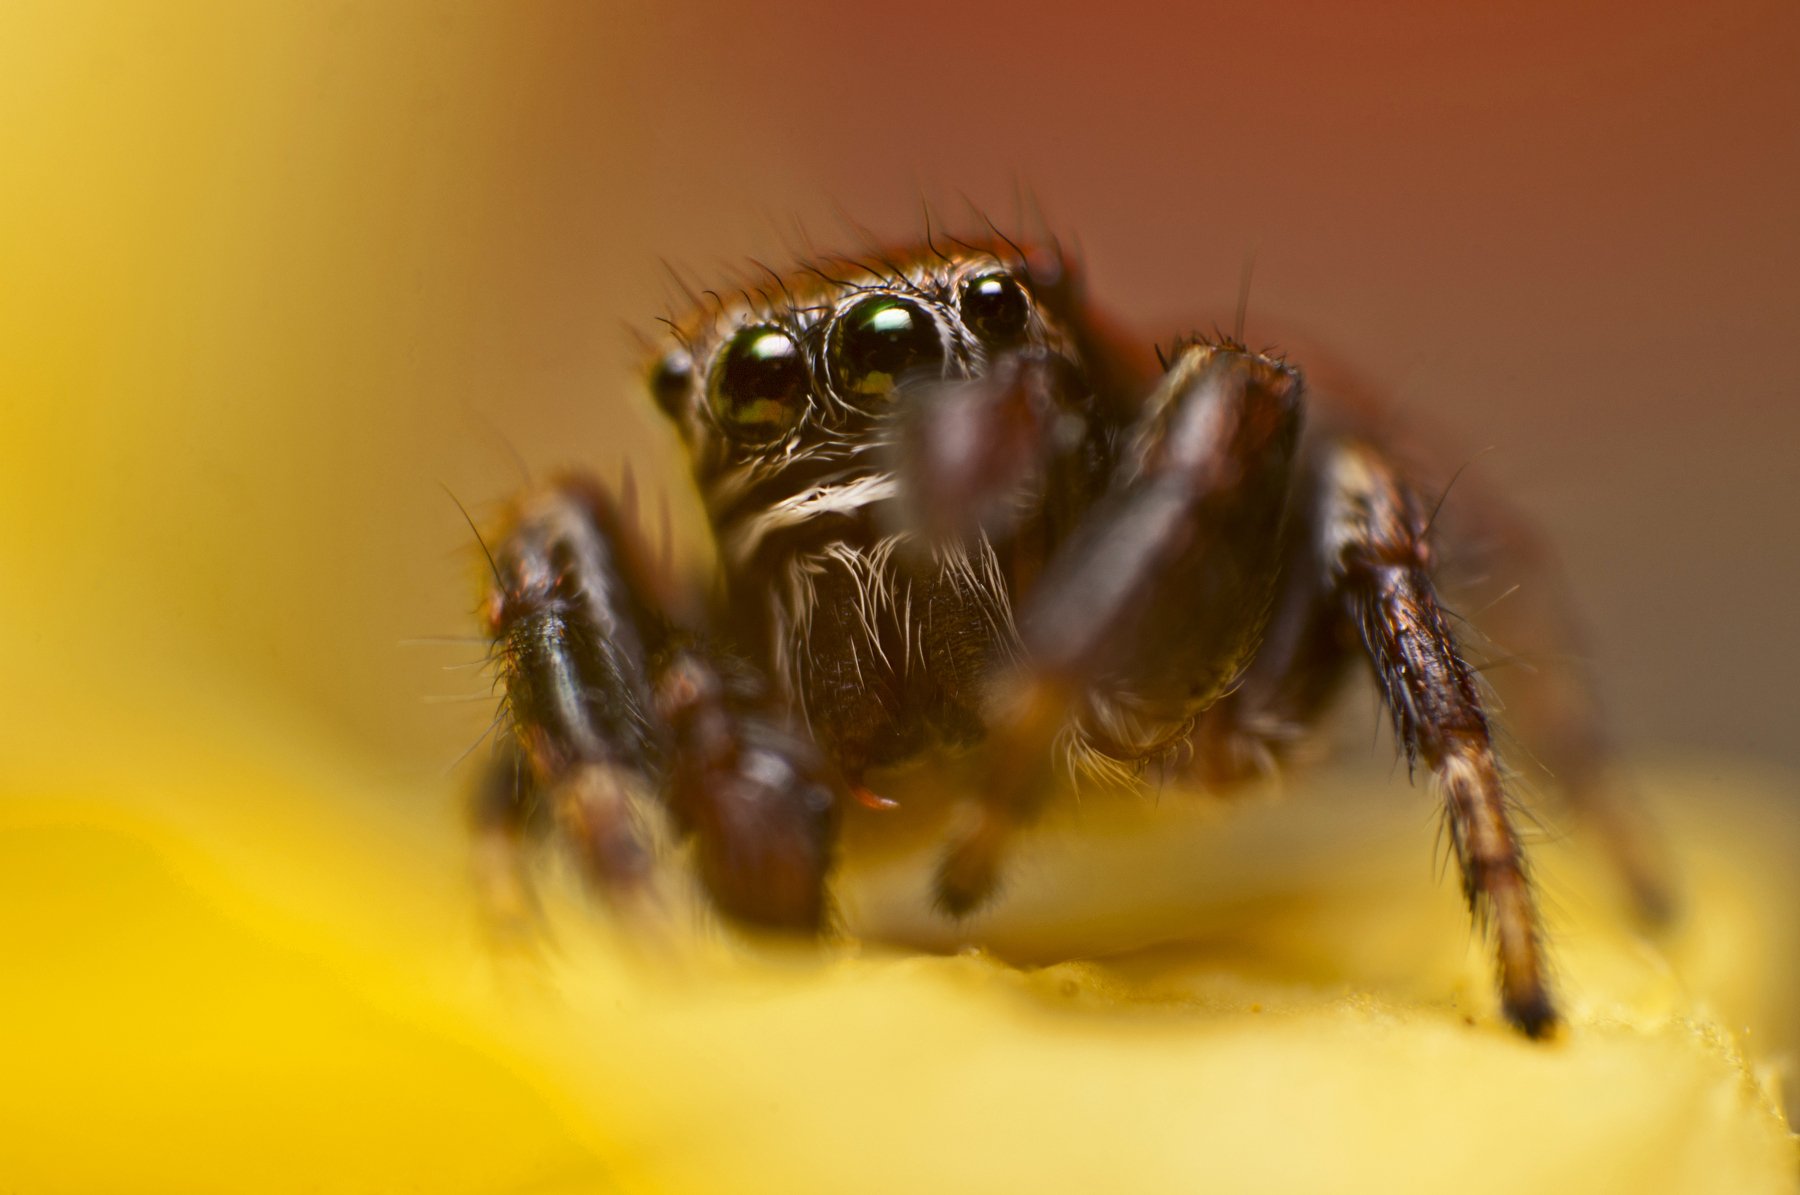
(274, 270)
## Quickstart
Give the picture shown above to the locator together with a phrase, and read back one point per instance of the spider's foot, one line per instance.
(1533, 1013)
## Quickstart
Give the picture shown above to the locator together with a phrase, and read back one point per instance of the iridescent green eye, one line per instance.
(995, 308)
(759, 383)
(879, 340)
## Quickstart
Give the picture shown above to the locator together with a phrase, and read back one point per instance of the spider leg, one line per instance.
(1374, 538)
(1550, 697)
(1357, 578)
(1300, 667)
(628, 728)
(753, 795)
(1150, 610)
(569, 631)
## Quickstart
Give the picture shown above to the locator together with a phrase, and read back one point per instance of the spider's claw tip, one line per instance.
(1533, 1015)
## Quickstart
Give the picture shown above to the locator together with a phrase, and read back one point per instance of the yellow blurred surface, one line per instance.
(298, 1001)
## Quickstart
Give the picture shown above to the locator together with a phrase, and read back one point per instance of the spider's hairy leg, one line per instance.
(625, 727)
(1374, 537)
(1551, 700)
(1149, 611)
(569, 632)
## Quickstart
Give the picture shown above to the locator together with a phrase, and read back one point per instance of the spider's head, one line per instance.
(787, 399)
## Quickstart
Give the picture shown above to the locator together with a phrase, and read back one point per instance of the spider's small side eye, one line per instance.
(671, 380)
(881, 338)
(759, 383)
(995, 308)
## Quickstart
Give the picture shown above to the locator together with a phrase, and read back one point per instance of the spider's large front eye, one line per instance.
(758, 384)
(879, 340)
(995, 308)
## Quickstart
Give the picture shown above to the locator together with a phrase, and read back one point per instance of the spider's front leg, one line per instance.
(1358, 573)
(1374, 544)
(1150, 608)
(1158, 606)
(1551, 700)
(631, 730)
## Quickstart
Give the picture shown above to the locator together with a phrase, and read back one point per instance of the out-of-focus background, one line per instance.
(274, 272)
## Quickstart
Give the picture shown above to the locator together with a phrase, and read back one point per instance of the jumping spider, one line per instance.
(953, 510)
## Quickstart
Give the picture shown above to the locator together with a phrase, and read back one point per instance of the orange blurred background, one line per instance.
(274, 272)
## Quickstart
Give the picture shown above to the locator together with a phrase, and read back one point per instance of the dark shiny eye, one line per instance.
(995, 308)
(671, 380)
(880, 339)
(759, 384)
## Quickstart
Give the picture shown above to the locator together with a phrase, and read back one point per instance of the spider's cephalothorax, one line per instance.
(953, 511)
